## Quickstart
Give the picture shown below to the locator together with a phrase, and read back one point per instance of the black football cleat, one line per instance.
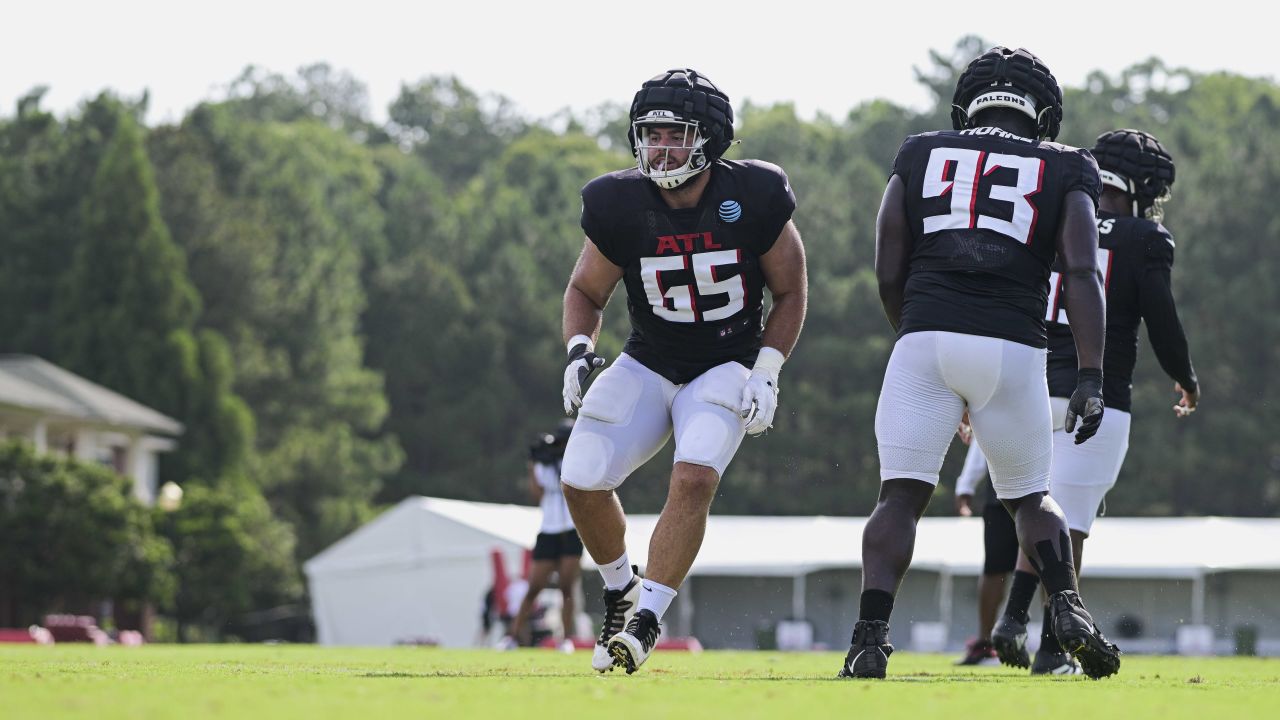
(619, 606)
(1055, 663)
(1009, 637)
(1078, 635)
(869, 651)
(631, 647)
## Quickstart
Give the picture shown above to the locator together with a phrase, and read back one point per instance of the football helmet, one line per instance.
(1016, 79)
(1136, 163)
(697, 111)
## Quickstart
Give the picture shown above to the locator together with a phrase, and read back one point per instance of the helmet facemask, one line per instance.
(1151, 208)
(669, 149)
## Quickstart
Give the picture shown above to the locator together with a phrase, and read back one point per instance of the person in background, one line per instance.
(558, 550)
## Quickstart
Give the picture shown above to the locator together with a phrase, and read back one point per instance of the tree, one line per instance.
(126, 313)
(456, 132)
(232, 556)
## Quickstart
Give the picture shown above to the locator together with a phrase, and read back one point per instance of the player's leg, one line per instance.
(624, 421)
(568, 571)
(1009, 636)
(1015, 427)
(539, 579)
(1000, 539)
(708, 431)
(1081, 477)
(1000, 543)
(915, 418)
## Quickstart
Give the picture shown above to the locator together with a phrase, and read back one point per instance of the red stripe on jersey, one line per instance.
(693, 296)
(973, 195)
(1035, 211)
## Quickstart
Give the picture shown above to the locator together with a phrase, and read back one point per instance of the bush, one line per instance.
(72, 533)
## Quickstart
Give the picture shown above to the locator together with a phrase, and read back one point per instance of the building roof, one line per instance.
(32, 383)
(1186, 547)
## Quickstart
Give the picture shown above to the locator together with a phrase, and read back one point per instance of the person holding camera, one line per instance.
(558, 550)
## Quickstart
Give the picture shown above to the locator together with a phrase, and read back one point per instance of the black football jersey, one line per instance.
(1135, 257)
(695, 290)
(984, 207)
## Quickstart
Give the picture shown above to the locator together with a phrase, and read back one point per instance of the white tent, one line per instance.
(420, 570)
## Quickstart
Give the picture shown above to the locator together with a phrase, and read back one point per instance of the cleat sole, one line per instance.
(1011, 653)
(622, 657)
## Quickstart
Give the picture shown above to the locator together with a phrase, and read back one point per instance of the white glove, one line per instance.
(760, 394)
(582, 362)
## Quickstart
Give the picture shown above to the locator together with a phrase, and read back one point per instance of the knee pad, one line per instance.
(587, 458)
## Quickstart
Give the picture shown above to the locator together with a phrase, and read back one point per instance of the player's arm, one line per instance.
(975, 468)
(1077, 243)
(893, 249)
(535, 487)
(1164, 329)
(592, 282)
(786, 276)
(590, 286)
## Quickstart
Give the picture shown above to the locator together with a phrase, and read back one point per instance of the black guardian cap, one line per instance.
(1016, 79)
(1135, 162)
(682, 96)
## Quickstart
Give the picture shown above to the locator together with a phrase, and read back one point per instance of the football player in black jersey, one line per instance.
(969, 225)
(695, 239)
(1136, 258)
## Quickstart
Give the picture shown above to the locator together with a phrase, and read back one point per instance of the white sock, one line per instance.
(655, 598)
(617, 574)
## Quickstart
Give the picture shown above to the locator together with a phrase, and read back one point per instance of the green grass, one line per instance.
(280, 682)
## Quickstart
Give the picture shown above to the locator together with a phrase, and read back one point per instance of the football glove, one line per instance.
(1086, 404)
(760, 394)
(582, 362)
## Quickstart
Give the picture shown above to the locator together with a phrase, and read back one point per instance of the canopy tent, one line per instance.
(421, 569)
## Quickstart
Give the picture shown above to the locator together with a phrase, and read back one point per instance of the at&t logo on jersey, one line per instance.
(730, 211)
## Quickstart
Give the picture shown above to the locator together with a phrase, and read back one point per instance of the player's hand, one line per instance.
(965, 430)
(1189, 401)
(1086, 404)
(760, 393)
(964, 505)
(759, 402)
(582, 362)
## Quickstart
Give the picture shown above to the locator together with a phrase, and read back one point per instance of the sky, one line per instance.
(822, 55)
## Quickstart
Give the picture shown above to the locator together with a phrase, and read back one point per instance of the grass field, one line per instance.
(279, 682)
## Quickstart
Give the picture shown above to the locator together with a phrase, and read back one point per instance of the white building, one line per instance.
(61, 412)
(420, 571)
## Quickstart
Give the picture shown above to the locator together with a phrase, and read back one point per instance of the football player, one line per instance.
(1136, 260)
(695, 239)
(969, 224)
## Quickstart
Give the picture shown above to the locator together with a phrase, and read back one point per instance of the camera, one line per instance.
(549, 447)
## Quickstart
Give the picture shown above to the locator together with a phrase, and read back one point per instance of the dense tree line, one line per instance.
(345, 313)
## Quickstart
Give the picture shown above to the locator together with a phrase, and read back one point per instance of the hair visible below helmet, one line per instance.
(1016, 79)
(681, 97)
(1136, 163)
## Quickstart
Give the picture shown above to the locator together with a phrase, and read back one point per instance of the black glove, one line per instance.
(1086, 404)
